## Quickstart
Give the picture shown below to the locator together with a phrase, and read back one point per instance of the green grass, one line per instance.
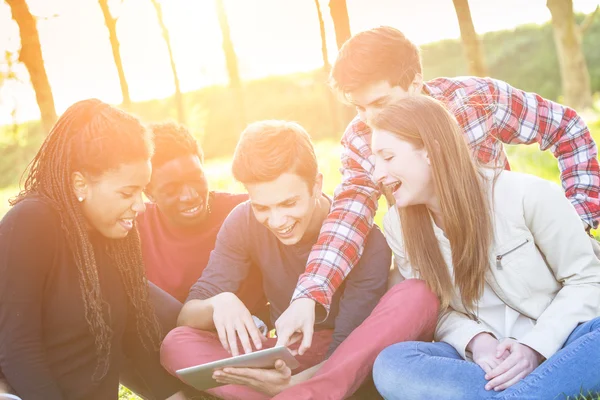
(589, 396)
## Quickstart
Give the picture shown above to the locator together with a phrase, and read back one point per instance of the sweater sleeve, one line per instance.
(28, 240)
(230, 261)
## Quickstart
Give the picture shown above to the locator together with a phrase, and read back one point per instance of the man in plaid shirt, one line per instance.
(373, 69)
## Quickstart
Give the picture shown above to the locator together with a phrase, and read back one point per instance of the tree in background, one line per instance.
(31, 55)
(111, 25)
(471, 44)
(165, 32)
(573, 69)
(326, 65)
(333, 106)
(341, 22)
(231, 60)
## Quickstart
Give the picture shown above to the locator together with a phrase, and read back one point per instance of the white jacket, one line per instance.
(542, 264)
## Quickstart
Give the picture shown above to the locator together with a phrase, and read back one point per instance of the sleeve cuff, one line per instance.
(460, 338)
(540, 344)
(321, 298)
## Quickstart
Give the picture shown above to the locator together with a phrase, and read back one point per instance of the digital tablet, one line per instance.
(200, 376)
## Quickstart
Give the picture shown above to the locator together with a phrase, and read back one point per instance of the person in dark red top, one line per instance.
(179, 228)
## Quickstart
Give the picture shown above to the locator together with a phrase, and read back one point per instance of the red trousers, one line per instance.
(408, 311)
(185, 347)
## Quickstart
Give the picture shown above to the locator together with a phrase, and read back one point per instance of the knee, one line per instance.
(595, 324)
(419, 293)
(423, 294)
(175, 343)
(393, 373)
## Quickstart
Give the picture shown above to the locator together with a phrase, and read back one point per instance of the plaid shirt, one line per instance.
(490, 112)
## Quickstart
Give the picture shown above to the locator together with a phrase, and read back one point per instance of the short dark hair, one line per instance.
(268, 149)
(171, 141)
(379, 54)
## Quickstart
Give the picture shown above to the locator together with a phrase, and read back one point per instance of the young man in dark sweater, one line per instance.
(178, 231)
(179, 228)
(275, 231)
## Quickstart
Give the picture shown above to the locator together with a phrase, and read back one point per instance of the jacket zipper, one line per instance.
(500, 256)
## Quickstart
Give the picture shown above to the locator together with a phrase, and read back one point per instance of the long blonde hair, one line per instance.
(426, 123)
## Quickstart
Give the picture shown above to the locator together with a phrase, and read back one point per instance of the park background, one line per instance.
(216, 65)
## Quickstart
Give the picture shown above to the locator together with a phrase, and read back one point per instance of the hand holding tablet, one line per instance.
(201, 376)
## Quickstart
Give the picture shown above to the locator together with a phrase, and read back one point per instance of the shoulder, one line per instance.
(240, 216)
(242, 227)
(224, 202)
(30, 230)
(465, 84)
(463, 94)
(521, 185)
(32, 213)
(518, 194)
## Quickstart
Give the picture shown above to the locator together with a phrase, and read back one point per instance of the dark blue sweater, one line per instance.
(244, 242)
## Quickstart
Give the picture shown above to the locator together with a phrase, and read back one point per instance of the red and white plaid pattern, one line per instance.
(490, 112)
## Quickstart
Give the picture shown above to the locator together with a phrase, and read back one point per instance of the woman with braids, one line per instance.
(517, 277)
(72, 278)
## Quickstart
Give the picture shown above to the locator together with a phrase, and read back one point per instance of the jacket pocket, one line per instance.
(506, 252)
(513, 264)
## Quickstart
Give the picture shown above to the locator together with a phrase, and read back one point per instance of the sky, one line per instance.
(269, 36)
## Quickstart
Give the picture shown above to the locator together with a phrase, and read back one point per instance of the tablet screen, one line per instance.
(200, 376)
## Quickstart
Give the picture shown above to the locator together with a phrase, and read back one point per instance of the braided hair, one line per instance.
(93, 137)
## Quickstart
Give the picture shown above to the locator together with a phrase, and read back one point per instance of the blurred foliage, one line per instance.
(525, 57)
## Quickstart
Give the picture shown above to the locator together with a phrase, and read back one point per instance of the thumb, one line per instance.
(280, 365)
(505, 345)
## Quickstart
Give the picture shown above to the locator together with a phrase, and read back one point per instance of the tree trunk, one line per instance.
(165, 32)
(333, 106)
(470, 41)
(231, 60)
(230, 56)
(31, 56)
(573, 69)
(326, 65)
(341, 22)
(111, 24)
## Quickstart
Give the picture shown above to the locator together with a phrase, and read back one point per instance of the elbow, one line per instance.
(196, 314)
(185, 317)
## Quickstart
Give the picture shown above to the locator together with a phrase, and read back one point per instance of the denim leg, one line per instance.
(421, 370)
(573, 369)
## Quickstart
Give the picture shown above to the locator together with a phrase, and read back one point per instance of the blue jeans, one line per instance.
(421, 370)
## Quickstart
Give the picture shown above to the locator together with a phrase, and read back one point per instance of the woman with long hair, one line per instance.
(506, 254)
(72, 277)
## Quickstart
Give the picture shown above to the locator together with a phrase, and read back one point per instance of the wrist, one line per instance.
(305, 301)
(540, 358)
(224, 296)
(480, 340)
